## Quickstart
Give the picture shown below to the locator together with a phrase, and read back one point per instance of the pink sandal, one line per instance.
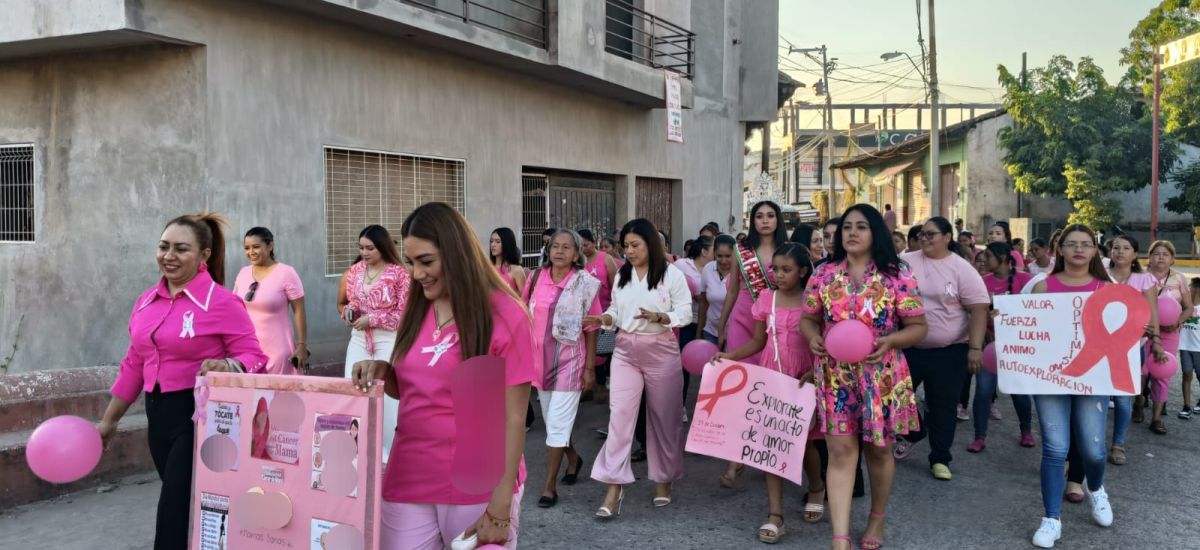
(872, 543)
(837, 538)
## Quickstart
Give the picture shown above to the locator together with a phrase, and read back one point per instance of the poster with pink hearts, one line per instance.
(752, 415)
(286, 462)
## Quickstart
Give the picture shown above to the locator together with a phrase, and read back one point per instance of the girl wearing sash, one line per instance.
(559, 295)
(777, 335)
(751, 277)
(1072, 421)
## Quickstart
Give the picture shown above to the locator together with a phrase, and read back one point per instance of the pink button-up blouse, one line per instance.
(170, 337)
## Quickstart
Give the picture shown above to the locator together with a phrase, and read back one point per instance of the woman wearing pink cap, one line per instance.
(461, 309)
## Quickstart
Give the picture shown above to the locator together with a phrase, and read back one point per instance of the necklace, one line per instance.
(437, 330)
(370, 279)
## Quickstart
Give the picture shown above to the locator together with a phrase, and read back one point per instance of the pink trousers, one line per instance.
(408, 526)
(650, 363)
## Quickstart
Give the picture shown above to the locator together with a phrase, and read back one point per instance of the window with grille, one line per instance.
(16, 193)
(371, 187)
(534, 217)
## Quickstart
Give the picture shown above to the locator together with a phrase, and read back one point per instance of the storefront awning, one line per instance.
(884, 177)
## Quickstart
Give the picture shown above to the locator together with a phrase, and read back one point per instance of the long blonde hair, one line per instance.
(469, 276)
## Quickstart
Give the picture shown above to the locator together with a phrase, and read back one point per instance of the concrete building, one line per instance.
(317, 117)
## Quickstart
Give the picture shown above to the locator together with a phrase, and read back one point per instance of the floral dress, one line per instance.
(872, 399)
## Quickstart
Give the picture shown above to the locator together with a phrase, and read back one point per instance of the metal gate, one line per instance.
(580, 202)
(654, 202)
(533, 217)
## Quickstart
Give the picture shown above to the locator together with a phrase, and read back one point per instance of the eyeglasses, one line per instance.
(929, 235)
(253, 289)
(1083, 245)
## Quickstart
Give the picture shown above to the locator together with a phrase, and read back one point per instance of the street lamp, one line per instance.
(934, 175)
(893, 55)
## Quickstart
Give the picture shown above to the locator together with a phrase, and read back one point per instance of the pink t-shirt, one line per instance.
(947, 285)
(423, 450)
(795, 357)
(999, 287)
(598, 267)
(269, 312)
(1139, 281)
(171, 336)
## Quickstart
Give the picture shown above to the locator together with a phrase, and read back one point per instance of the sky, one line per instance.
(973, 37)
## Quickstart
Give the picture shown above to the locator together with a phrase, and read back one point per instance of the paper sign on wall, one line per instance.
(1082, 343)
(674, 95)
(752, 415)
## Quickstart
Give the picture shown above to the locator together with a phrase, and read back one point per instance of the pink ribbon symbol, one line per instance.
(200, 394)
(1099, 343)
(710, 399)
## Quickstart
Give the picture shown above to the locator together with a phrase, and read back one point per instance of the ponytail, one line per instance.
(207, 226)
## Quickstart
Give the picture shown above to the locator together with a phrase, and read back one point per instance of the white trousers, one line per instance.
(385, 341)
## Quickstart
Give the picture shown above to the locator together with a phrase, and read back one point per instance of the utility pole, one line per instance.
(1024, 84)
(1154, 149)
(935, 172)
(829, 131)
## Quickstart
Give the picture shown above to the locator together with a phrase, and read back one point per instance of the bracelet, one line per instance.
(501, 523)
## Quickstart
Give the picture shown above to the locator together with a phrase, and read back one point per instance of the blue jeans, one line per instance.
(1066, 420)
(1122, 411)
(985, 392)
(710, 337)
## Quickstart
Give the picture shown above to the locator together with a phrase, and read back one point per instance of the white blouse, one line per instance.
(671, 297)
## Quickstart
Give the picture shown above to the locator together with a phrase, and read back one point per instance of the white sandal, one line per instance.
(815, 511)
(604, 512)
(769, 532)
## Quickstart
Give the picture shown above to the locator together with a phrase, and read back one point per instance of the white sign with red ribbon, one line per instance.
(1079, 343)
(674, 93)
(753, 415)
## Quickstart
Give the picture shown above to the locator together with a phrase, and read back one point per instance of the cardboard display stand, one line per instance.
(286, 462)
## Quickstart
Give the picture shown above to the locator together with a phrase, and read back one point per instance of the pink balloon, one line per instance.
(696, 354)
(64, 449)
(989, 358)
(1161, 371)
(1169, 311)
(850, 341)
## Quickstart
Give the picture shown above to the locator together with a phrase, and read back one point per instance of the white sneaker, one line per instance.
(1048, 533)
(962, 413)
(1102, 512)
(996, 412)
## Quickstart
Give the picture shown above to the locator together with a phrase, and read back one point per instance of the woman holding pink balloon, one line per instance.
(186, 325)
(956, 308)
(752, 278)
(863, 394)
(1173, 299)
(777, 337)
(1125, 269)
(650, 299)
(460, 309)
(559, 295)
(1189, 352)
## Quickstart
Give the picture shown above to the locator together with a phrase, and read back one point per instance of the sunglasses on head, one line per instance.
(253, 289)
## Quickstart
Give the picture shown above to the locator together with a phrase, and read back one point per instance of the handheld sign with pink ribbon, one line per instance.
(1079, 343)
(752, 415)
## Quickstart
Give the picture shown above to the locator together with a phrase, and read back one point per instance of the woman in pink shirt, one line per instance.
(376, 290)
(956, 310)
(268, 288)
(506, 257)
(601, 264)
(999, 232)
(1002, 279)
(462, 309)
(559, 295)
(182, 327)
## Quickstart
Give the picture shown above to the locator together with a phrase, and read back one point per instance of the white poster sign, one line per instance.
(674, 107)
(1085, 343)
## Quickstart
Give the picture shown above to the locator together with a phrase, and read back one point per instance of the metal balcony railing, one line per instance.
(640, 36)
(523, 20)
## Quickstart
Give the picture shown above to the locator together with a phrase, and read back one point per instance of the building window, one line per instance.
(371, 187)
(534, 217)
(654, 202)
(16, 193)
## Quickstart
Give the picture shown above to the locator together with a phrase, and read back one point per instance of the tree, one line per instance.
(1170, 20)
(1188, 199)
(1078, 137)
